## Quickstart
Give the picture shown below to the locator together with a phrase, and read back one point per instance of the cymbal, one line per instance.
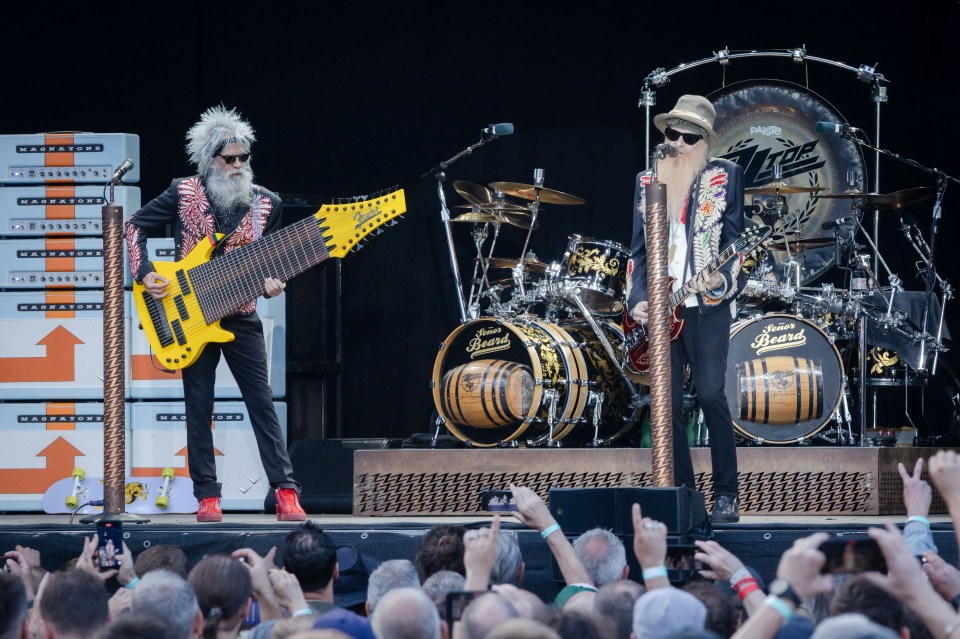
(475, 216)
(900, 199)
(846, 195)
(528, 263)
(529, 192)
(886, 201)
(495, 206)
(497, 217)
(803, 244)
(473, 193)
(781, 188)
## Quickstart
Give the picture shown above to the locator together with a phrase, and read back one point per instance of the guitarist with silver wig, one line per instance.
(221, 199)
(705, 209)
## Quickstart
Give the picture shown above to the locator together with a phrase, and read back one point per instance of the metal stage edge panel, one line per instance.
(811, 480)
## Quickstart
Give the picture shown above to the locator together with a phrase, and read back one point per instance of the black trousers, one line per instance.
(703, 344)
(246, 356)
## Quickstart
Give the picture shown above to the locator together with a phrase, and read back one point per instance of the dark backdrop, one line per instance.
(347, 99)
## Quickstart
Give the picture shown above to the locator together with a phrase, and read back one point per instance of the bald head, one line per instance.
(406, 613)
(485, 613)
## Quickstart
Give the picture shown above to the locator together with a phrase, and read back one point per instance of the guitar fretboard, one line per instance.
(223, 285)
(685, 291)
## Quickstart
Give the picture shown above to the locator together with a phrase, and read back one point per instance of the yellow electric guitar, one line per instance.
(204, 291)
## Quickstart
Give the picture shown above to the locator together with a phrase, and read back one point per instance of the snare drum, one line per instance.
(784, 379)
(599, 269)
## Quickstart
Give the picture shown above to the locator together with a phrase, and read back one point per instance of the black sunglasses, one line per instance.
(688, 138)
(230, 159)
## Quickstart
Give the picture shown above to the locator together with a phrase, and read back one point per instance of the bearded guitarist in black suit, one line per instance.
(705, 208)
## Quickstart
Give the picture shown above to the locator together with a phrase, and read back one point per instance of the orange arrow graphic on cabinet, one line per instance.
(61, 459)
(183, 471)
(57, 365)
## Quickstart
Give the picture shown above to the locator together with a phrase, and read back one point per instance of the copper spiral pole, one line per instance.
(114, 454)
(658, 327)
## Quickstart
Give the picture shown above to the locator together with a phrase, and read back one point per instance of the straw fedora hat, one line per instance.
(695, 109)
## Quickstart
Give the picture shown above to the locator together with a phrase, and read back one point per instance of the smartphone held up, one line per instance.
(109, 545)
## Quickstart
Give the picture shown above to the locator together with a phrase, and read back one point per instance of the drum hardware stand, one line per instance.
(479, 237)
(551, 396)
(595, 399)
(637, 402)
(439, 172)
(534, 209)
(942, 180)
(660, 77)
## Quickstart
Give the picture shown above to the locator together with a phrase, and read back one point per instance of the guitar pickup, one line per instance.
(178, 331)
(184, 284)
(181, 307)
(158, 318)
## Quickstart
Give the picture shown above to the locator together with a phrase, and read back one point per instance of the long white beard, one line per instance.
(230, 188)
(677, 174)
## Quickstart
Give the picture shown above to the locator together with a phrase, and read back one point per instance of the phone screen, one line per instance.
(110, 545)
(852, 555)
(497, 500)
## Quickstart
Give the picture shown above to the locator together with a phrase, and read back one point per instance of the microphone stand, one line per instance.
(942, 180)
(439, 172)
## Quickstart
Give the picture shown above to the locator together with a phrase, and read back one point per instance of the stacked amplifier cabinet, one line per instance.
(52, 190)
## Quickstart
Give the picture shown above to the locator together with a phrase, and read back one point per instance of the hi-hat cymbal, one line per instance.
(781, 188)
(529, 264)
(497, 217)
(473, 193)
(476, 216)
(529, 192)
(803, 244)
(495, 206)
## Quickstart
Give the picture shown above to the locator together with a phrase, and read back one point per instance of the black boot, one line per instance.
(726, 509)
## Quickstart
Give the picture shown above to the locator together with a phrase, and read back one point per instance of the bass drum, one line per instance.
(485, 400)
(784, 379)
(767, 122)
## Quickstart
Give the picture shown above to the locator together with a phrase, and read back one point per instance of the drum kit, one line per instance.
(539, 359)
(793, 395)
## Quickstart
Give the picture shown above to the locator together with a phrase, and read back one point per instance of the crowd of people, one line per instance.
(469, 584)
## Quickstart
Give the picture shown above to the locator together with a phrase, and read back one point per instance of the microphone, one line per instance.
(122, 170)
(835, 127)
(840, 221)
(496, 130)
(665, 150)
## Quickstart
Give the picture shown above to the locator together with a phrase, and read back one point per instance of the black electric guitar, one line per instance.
(204, 291)
(635, 334)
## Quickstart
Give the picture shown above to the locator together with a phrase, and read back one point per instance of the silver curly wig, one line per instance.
(217, 128)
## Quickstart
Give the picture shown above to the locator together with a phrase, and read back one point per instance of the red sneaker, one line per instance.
(210, 510)
(288, 505)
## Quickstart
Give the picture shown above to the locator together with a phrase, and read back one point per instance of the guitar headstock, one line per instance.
(346, 225)
(750, 238)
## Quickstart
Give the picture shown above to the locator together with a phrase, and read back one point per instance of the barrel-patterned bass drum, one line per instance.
(498, 382)
(784, 379)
